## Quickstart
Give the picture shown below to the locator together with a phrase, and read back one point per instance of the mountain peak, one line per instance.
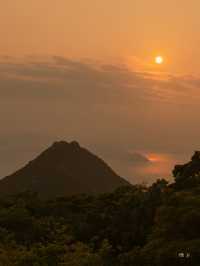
(65, 168)
(65, 144)
(60, 143)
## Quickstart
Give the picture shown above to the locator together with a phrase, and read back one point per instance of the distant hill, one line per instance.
(61, 170)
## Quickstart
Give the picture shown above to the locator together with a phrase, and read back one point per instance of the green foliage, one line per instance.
(81, 255)
(135, 225)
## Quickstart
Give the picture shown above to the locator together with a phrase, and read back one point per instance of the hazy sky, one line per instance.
(85, 70)
(114, 29)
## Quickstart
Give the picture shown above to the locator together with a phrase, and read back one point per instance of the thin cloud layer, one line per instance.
(110, 109)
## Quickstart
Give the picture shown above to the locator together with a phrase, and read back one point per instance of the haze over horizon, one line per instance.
(85, 71)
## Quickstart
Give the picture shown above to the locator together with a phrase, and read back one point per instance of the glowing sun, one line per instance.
(159, 60)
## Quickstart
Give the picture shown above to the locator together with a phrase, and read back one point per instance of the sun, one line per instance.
(159, 60)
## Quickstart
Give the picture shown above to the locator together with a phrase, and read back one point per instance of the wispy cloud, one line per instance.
(109, 108)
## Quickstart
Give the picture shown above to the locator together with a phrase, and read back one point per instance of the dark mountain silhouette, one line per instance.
(63, 169)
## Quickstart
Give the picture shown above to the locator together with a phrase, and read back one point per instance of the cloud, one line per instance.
(110, 109)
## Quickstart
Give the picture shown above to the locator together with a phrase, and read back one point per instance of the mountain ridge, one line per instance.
(63, 169)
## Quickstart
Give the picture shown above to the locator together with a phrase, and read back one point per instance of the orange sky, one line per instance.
(147, 107)
(114, 29)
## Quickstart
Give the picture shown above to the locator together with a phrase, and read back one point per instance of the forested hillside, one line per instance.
(133, 226)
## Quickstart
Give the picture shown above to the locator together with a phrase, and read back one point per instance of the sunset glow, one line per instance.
(126, 67)
(156, 157)
(159, 60)
(99, 139)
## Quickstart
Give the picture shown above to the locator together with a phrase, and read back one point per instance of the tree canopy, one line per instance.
(134, 225)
